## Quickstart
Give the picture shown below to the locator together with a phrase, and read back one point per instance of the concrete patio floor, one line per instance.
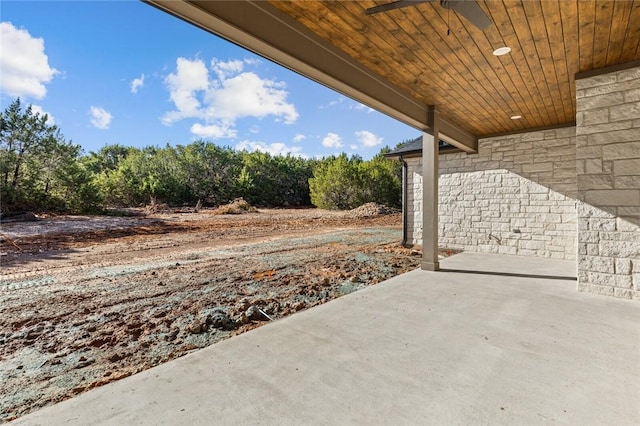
(511, 343)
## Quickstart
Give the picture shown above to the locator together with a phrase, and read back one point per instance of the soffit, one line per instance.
(551, 41)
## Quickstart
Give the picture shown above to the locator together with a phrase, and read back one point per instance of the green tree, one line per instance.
(340, 182)
(274, 180)
(383, 180)
(336, 183)
(209, 172)
(37, 164)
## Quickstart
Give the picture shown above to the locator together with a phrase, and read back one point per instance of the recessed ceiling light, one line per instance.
(516, 117)
(502, 51)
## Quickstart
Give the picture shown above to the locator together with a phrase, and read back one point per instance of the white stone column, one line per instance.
(608, 171)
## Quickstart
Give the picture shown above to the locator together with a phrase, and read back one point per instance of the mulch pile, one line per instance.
(372, 210)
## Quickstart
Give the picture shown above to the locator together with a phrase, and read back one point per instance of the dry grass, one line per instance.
(237, 206)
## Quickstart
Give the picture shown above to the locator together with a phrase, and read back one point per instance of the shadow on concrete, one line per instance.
(509, 274)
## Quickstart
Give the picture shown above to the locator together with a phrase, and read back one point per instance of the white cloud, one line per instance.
(189, 78)
(333, 103)
(214, 131)
(332, 141)
(368, 139)
(100, 117)
(276, 148)
(224, 69)
(362, 107)
(353, 147)
(299, 138)
(137, 83)
(247, 95)
(25, 66)
(225, 94)
(37, 109)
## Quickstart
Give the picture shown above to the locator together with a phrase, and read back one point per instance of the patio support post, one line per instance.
(430, 193)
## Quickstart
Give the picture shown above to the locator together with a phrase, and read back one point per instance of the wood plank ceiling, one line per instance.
(443, 60)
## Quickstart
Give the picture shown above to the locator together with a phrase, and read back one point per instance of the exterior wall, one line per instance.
(524, 182)
(414, 201)
(608, 171)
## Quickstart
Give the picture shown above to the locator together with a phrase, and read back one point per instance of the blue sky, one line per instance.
(123, 72)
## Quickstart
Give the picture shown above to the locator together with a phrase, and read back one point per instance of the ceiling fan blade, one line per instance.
(395, 5)
(470, 10)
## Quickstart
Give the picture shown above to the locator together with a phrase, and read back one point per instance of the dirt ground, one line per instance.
(85, 301)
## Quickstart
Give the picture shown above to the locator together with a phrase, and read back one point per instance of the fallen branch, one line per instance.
(9, 240)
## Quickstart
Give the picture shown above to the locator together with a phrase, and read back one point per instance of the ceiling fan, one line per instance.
(469, 9)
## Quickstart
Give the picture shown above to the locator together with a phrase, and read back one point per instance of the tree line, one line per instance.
(41, 171)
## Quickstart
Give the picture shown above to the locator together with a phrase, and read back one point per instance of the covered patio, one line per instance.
(476, 338)
(490, 339)
(540, 98)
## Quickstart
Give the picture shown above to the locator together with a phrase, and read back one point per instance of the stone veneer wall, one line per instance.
(608, 171)
(524, 182)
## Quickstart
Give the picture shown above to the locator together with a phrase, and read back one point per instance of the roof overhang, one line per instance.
(259, 27)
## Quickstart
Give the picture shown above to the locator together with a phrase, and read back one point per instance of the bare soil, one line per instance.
(85, 301)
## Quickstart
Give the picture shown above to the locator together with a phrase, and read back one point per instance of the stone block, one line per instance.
(532, 136)
(631, 74)
(550, 134)
(602, 278)
(566, 132)
(613, 136)
(620, 249)
(566, 227)
(632, 95)
(592, 237)
(595, 116)
(589, 182)
(603, 225)
(586, 152)
(581, 140)
(588, 211)
(619, 151)
(629, 212)
(613, 197)
(532, 245)
(595, 102)
(623, 266)
(605, 127)
(564, 173)
(595, 289)
(626, 182)
(582, 249)
(629, 167)
(539, 196)
(622, 293)
(624, 225)
(627, 111)
(593, 165)
(550, 218)
(624, 281)
(598, 264)
(507, 250)
(605, 90)
(598, 80)
(536, 209)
